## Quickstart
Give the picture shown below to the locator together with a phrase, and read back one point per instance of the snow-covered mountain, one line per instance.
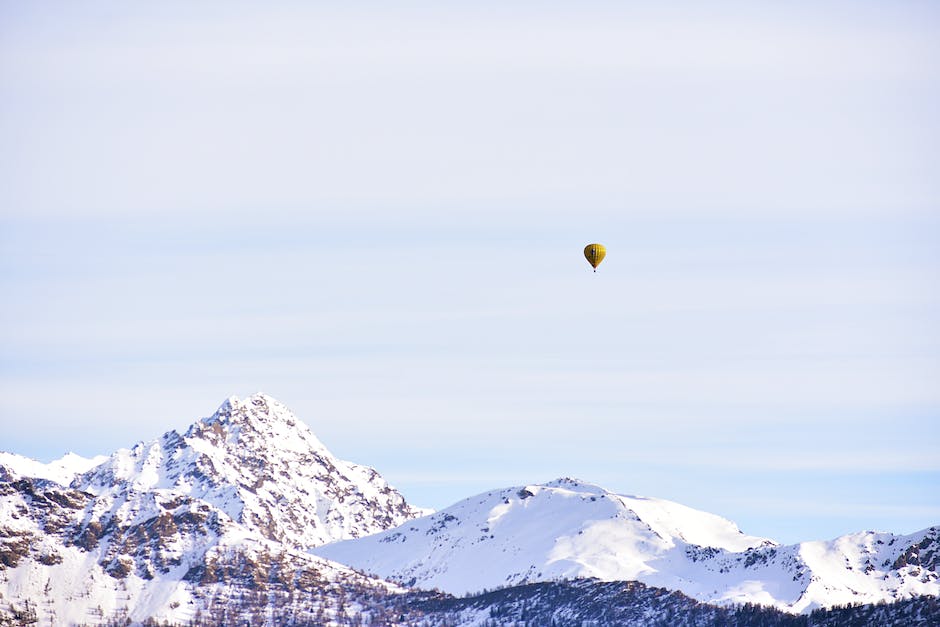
(257, 463)
(247, 517)
(63, 471)
(153, 529)
(569, 529)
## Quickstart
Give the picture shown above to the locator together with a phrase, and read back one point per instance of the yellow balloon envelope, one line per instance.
(594, 253)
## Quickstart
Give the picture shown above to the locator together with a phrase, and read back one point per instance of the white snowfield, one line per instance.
(567, 529)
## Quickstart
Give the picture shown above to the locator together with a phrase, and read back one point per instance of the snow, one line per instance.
(670, 519)
(62, 470)
(564, 528)
(250, 478)
(255, 461)
(568, 529)
(253, 480)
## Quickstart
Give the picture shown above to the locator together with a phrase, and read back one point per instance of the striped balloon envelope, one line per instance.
(595, 254)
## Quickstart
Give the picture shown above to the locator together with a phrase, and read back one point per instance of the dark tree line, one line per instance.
(578, 603)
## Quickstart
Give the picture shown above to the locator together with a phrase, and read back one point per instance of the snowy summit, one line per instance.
(568, 529)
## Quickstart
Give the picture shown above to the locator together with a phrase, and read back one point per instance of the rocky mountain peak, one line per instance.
(264, 468)
(255, 423)
(257, 407)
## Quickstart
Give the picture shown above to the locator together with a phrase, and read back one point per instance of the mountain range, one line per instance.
(247, 516)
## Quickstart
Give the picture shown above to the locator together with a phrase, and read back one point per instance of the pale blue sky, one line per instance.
(377, 216)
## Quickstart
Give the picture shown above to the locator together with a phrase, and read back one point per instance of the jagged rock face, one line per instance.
(63, 562)
(922, 555)
(257, 463)
(181, 522)
(36, 516)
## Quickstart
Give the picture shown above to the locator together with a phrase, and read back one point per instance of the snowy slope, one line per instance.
(62, 470)
(567, 529)
(562, 529)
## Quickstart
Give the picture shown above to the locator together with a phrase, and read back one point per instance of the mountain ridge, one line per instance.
(245, 516)
(570, 529)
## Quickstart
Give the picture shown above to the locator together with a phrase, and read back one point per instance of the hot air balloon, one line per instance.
(594, 253)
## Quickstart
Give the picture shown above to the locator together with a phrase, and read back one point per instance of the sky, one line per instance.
(376, 215)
